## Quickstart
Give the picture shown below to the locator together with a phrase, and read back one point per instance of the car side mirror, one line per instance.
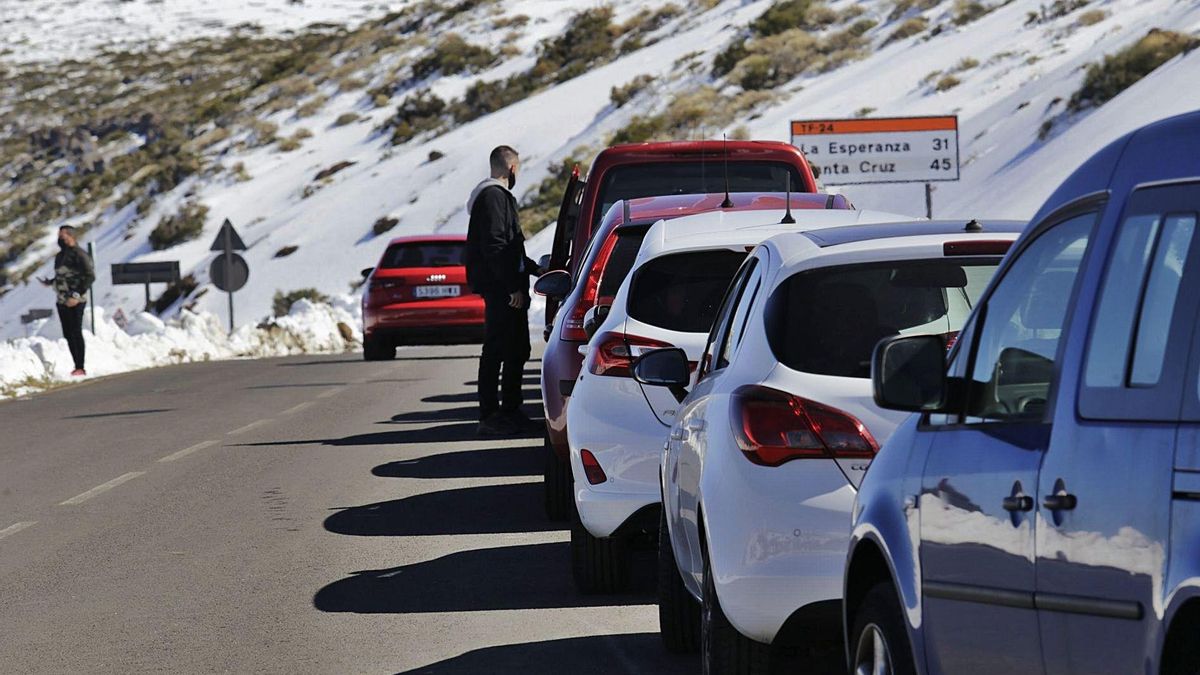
(544, 262)
(366, 272)
(556, 284)
(667, 367)
(593, 318)
(909, 373)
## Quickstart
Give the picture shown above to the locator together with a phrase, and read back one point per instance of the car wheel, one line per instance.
(599, 564)
(556, 483)
(678, 611)
(722, 648)
(880, 645)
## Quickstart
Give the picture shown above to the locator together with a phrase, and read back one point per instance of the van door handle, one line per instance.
(1060, 502)
(1018, 503)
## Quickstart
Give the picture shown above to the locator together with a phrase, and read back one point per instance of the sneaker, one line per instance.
(497, 425)
(79, 372)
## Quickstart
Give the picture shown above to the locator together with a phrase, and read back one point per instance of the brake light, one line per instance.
(573, 324)
(976, 247)
(773, 427)
(591, 468)
(612, 354)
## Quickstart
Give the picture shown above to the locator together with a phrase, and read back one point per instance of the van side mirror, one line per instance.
(593, 318)
(366, 271)
(666, 367)
(909, 373)
(544, 262)
(556, 284)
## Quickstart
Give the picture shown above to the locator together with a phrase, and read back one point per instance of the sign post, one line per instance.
(91, 288)
(882, 150)
(229, 271)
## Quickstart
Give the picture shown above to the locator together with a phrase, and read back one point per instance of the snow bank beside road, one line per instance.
(34, 363)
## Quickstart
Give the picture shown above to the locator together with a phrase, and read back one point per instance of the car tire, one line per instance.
(879, 638)
(678, 611)
(723, 650)
(556, 483)
(599, 564)
(375, 349)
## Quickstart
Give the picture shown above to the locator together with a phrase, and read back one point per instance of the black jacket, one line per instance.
(73, 274)
(495, 256)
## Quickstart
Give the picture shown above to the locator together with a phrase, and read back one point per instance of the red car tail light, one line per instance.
(772, 427)
(573, 323)
(612, 354)
(591, 468)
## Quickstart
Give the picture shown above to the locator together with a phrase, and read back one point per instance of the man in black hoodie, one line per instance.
(73, 276)
(499, 270)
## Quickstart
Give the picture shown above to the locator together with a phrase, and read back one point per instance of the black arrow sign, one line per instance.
(235, 241)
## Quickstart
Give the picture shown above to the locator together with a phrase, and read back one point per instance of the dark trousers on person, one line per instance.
(72, 328)
(505, 343)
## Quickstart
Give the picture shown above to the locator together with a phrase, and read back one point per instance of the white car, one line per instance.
(616, 427)
(762, 463)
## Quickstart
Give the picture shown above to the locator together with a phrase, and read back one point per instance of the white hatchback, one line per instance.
(616, 427)
(765, 454)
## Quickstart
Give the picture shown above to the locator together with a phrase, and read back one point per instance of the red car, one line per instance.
(602, 269)
(419, 292)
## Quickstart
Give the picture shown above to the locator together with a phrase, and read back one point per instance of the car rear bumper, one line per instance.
(561, 363)
(457, 317)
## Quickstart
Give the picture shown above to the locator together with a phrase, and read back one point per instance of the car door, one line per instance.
(980, 476)
(688, 439)
(564, 234)
(1103, 521)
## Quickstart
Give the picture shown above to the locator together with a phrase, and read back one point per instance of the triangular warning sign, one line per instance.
(235, 242)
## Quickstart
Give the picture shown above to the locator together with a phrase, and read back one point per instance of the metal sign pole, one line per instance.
(929, 201)
(91, 288)
(228, 253)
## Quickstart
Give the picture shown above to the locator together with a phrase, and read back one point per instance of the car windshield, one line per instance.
(827, 321)
(424, 254)
(682, 291)
(681, 178)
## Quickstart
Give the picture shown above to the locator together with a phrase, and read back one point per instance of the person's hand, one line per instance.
(71, 302)
(45, 282)
(516, 300)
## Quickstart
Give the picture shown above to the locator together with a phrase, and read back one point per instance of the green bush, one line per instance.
(947, 82)
(781, 16)
(420, 112)
(587, 40)
(185, 225)
(540, 206)
(345, 118)
(1105, 80)
(622, 95)
(725, 62)
(282, 303)
(453, 55)
(909, 28)
(1092, 17)
(966, 11)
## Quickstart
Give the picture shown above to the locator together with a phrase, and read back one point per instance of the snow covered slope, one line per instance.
(1023, 77)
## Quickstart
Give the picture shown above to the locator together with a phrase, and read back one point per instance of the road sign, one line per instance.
(165, 272)
(880, 150)
(36, 315)
(239, 273)
(235, 242)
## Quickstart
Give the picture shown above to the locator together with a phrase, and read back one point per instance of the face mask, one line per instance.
(512, 179)
(63, 244)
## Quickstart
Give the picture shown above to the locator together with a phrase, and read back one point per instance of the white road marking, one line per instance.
(297, 408)
(187, 451)
(253, 425)
(81, 498)
(16, 527)
(331, 392)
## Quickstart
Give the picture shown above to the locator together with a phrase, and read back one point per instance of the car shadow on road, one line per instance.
(529, 576)
(598, 654)
(486, 509)
(492, 463)
(529, 395)
(460, 414)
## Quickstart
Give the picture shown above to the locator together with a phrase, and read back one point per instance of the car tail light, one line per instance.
(573, 324)
(591, 468)
(772, 427)
(976, 247)
(612, 354)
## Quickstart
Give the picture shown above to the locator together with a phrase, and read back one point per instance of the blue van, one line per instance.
(1041, 511)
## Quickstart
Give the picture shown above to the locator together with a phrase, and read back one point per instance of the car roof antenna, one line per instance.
(728, 203)
(788, 219)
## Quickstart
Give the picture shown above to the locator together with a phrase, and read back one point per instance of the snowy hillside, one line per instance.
(1004, 73)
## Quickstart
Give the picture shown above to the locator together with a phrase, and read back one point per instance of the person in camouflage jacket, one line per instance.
(73, 277)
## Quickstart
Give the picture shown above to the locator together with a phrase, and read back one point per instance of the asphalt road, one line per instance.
(299, 515)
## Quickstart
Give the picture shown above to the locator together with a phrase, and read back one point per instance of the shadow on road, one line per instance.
(530, 576)
(534, 380)
(463, 414)
(468, 464)
(470, 397)
(599, 655)
(299, 385)
(487, 509)
(122, 413)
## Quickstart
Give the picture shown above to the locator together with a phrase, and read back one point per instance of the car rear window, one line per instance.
(620, 261)
(827, 321)
(424, 254)
(682, 291)
(682, 178)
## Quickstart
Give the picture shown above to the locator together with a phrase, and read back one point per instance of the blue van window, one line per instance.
(1113, 333)
(1158, 307)
(1022, 325)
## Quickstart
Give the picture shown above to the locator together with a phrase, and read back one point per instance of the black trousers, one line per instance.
(505, 343)
(72, 328)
